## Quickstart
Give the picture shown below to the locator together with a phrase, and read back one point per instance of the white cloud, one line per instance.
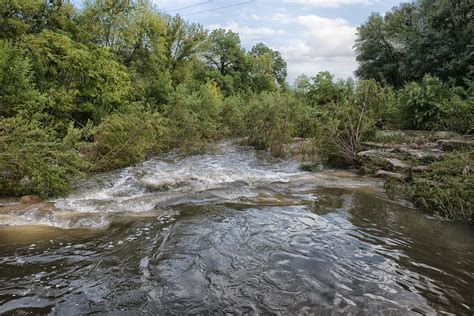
(279, 17)
(320, 44)
(341, 67)
(329, 3)
(328, 37)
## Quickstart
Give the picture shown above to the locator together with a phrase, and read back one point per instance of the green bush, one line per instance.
(343, 126)
(446, 190)
(271, 121)
(432, 105)
(194, 117)
(233, 116)
(17, 90)
(124, 139)
(81, 82)
(35, 160)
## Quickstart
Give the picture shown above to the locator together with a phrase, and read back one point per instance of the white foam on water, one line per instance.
(228, 174)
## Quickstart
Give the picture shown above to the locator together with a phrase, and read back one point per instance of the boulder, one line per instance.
(444, 134)
(375, 153)
(380, 145)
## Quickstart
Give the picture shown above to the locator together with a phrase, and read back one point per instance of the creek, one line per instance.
(233, 230)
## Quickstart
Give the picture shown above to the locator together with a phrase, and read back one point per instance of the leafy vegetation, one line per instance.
(445, 190)
(418, 38)
(35, 158)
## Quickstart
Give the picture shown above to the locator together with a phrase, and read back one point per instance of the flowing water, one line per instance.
(231, 231)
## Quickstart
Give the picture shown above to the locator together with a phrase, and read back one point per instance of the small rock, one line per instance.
(388, 174)
(467, 170)
(30, 199)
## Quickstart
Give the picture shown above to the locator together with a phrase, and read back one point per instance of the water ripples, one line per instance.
(231, 232)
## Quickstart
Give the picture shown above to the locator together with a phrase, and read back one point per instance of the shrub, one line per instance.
(343, 126)
(194, 117)
(270, 121)
(16, 87)
(81, 82)
(447, 190)
(233, 115)
(433, 105)
(124, 139)
(35, 160)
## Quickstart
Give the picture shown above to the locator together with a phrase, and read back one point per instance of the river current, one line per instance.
(231, 231)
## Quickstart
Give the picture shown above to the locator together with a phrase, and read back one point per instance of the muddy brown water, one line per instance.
(231, 231)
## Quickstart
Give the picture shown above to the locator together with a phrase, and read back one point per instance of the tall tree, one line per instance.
(279, 66)
(424, 37)
(225, 51)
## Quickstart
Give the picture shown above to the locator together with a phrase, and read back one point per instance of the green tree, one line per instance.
(82, 83)
(278, 64)
(184, 42)
(323, 90)
(228, 60)
(225, 52)
(431, 104)
(19, 17)
(377, 55)
(415, 39)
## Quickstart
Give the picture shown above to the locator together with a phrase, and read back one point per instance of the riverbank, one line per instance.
(432, 169)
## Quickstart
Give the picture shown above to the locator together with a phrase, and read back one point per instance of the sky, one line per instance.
(312, 35)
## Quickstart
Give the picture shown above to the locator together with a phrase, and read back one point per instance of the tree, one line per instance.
(278, 64)
(82, 83)
(412, 40)
(19, 17)
(184, 43)
(228, 59)
(106, 21)
(224, 52)
(323, 90)
(376, 54)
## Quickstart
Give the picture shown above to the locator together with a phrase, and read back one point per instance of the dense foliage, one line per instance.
(445, 190)
(418, 38)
